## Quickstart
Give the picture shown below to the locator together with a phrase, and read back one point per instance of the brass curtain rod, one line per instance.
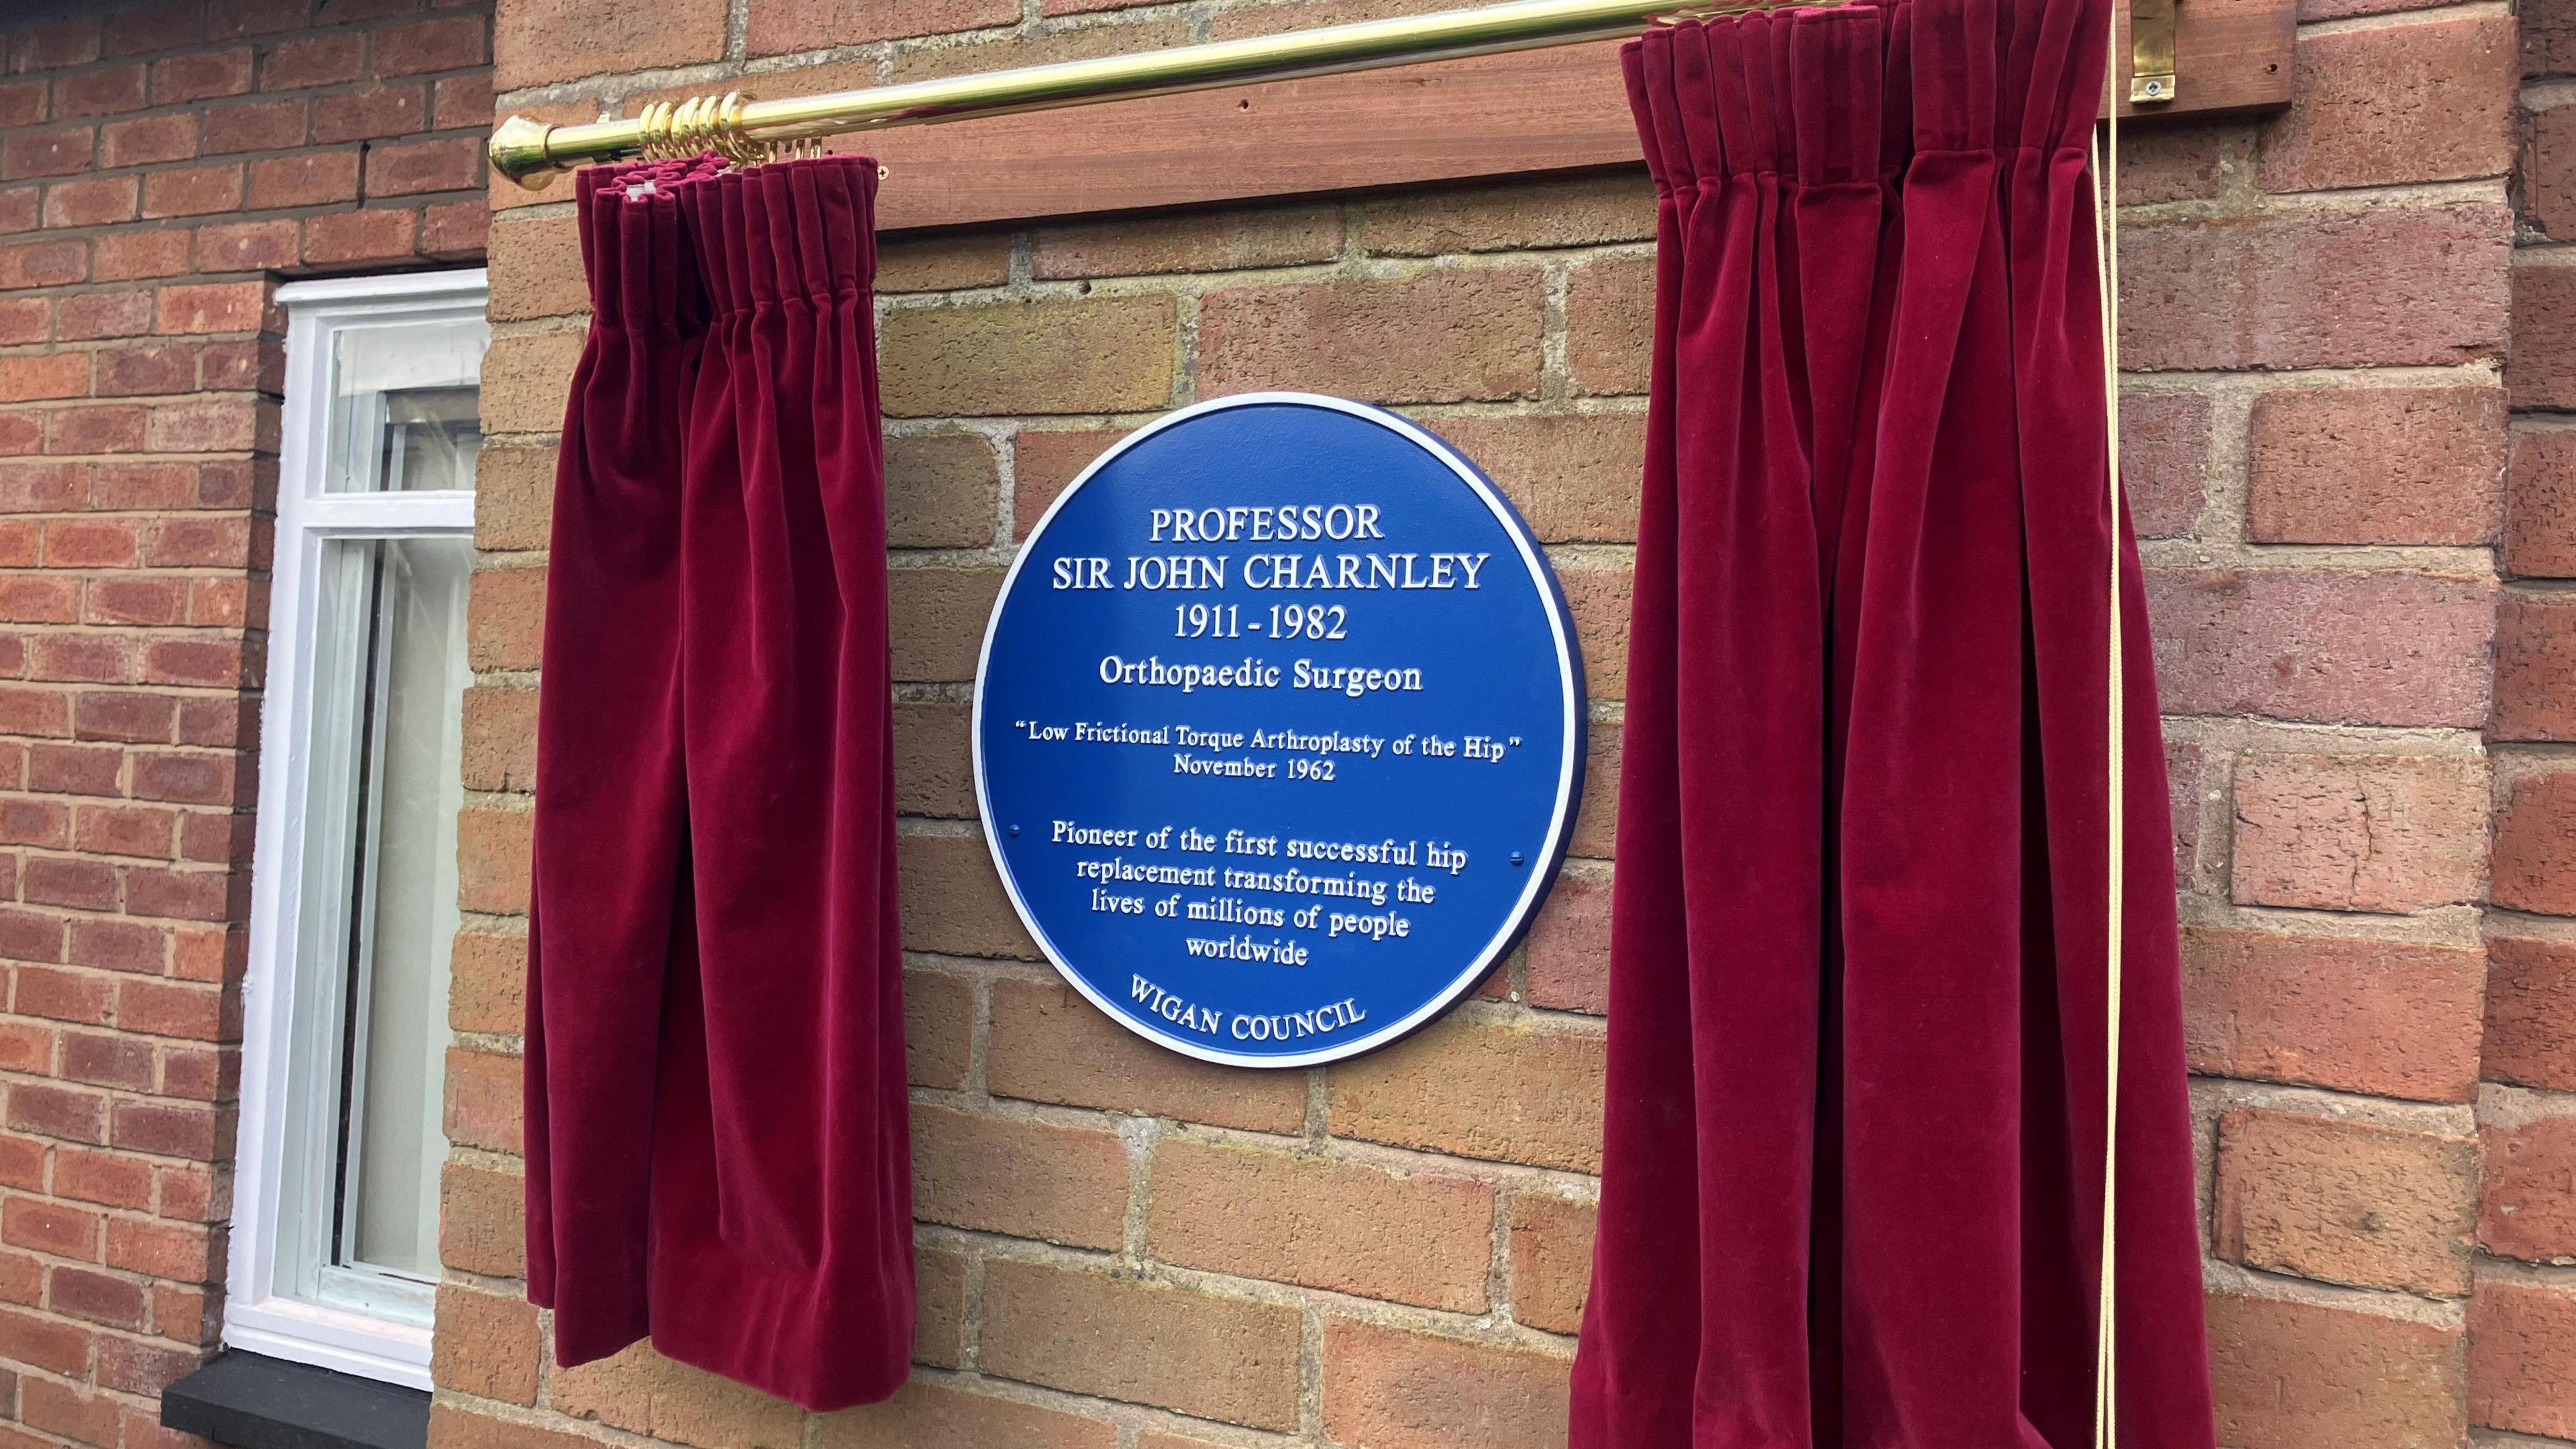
(531, 152)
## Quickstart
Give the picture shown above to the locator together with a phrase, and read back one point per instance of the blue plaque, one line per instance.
(1278, 729)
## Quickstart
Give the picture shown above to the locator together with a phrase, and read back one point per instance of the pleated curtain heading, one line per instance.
(1852, 1183)
(717, 1145)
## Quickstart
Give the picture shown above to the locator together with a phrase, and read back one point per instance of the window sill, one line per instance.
(253, 1402)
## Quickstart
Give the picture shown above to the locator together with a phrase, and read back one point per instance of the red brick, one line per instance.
(462, 100)
(482, 1221)
(1045, 464)
(2535, 845)
(553, 40)
(208, 425)
(92, 201)
(58, 1409)
(44, 375)
(2540, 505)
(147, 368)
(44, 1343)
(193, 192)
(309, 178)
(146, 140)
(2526, 1210)
(198, 77)
(2323, 647)
(939, 617)
(60, 41)
(1227, 1359)
(491, 1348)
(249, 246)
(98, 1297)
(1027, 1179)
(170, 1131)
(453, 43)
(99, 92)
(2378, 105)
(57, 1111)
(1415, 1238)
(2345, 1201)
(778, 27)
(23, 102)
(482, 1107)
(213, 307)
(58, 152)
(2383, 1017)
(2316, 289)
(167, 26)
(187, 1252)
(1059, 355)
(25, 319)
(266, 125)
(88, 885)
(1475, 1089)
(1050, 1045)
(2535, 651)
(126, 256)
(122, 313)
(2164, 458)
(2300, 1376)
(1372, 339)
(925, 1416)
(2377, 465)
(2531, 1012)
(1391, 1389)
(140, 1368)
(374, 234)
(2522, 1343)
(50, 1227)
(1610, 325)
(2358, 833)
(408, 168)
(456, 231)
(370, 112)
(103, 1177)
(319, 60)
(43, 264)
(1567, 958)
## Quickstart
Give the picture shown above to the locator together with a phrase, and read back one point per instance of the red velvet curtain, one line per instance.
(1852, 1177)
(716, 1129)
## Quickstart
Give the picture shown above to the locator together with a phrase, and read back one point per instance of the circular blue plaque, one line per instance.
(1278, 729)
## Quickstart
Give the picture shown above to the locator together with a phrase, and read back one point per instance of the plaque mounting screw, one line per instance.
(1015, 832)
(1516, 858)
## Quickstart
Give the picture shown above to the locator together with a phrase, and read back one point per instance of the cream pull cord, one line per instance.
(2106, 260)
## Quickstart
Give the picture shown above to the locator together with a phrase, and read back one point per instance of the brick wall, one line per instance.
(2522, 1314)
(160, 167)
(1126, 1250)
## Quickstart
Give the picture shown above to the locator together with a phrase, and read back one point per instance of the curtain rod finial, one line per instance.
(518, 151)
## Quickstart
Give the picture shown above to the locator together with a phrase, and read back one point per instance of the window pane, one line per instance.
(403, 407)
(390, 683)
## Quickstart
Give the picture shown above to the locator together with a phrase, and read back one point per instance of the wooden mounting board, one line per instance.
(1524, 113)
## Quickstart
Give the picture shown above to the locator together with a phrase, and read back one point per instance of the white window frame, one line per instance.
(272, 1236)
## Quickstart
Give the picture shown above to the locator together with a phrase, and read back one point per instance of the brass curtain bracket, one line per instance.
(2151, 52)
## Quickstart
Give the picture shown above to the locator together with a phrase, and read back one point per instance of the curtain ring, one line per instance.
(689, 126)
(724, 131)
(653, 125)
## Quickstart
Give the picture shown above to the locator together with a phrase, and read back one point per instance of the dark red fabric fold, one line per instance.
(1851, 1188)
(718, 1154)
